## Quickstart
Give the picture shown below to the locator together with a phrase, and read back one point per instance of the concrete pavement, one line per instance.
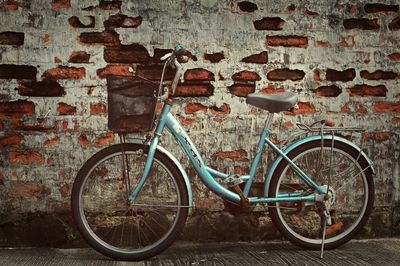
(357, 252)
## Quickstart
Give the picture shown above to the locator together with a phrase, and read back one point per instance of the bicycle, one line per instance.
(131, 200)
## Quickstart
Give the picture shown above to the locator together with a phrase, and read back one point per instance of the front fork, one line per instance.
(147, 168)
(152, 149)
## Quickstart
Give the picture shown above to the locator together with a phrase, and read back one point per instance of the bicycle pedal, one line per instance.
(233, 180)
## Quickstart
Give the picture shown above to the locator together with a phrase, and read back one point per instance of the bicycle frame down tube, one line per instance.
(190, 149)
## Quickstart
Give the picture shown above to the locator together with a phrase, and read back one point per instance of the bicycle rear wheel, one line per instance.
(351, 184)
(113, 225)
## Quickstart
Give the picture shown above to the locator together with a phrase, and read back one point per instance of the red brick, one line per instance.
(322, 44)
(246, 75)
(271, 89)
(98, 109)
(247, 6)
(242, 90)
(217, 119)
(347, 41)
(377, 75)
(223, 109)
(343, 76)
(66, 126)
(328, 91)
(122, 21)
(104, 140)
(65, 190)
(134, 53)
(79, 57)
(387, 107)
(367, 90)
(41, 126)
(194, 90)
(378, 7)
(394, 57)
(186, 121)
(261, 58)
(317, 76)
(26, 157)
(110, 5)
(45, 88)
(109, 38)
(13, 5)
(361, 24)
(235, 155)
(17, 72)
(395, 24)
(214, 57)
(60, 4)
(16, 109)
(65, 72)
(285, 74)
(75, 22)
(52, 142)
(1, 125)
(199, 74)
(153, 72)
(114, 70)
(191, 108)
(287, 41)
(241, 170)
(269, 23)
(28, 190)
(377, 136)
(361, 109)
(11, 38)
(287, 124)
(83, 141)
(13, 140)
(304, 108)
(46, 38)
(353, 8)
(66, 109)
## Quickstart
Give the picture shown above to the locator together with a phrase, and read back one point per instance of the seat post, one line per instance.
(268, 121)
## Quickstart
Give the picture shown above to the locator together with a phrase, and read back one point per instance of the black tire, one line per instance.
(110, 223)
(302, 224)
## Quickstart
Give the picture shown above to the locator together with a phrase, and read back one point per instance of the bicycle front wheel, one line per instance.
(112, 224)
(349, 177)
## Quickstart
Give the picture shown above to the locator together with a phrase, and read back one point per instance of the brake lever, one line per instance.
(166, 56)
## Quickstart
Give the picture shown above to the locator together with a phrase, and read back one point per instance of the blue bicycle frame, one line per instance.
(209, 175)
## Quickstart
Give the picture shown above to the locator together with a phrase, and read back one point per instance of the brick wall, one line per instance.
(341, 57)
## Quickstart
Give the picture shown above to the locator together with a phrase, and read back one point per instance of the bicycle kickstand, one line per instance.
(327, 220)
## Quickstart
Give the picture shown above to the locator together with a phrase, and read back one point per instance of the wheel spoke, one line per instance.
(119, 228)
(337, 166)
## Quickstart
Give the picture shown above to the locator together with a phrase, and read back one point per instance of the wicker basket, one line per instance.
(131, 104)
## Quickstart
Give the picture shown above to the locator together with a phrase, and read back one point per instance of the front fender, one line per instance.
(178, 165)
(302, 141)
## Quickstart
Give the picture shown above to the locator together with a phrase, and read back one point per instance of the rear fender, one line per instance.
(305, 140)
